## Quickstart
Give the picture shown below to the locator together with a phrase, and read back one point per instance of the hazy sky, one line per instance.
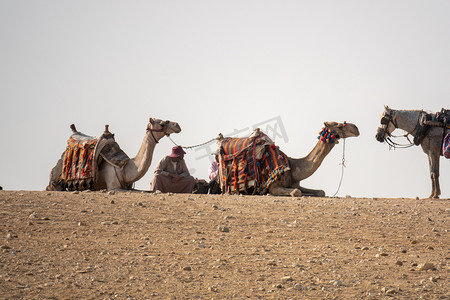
(221, 66)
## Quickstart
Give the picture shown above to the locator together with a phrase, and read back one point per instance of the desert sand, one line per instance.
(136, 245)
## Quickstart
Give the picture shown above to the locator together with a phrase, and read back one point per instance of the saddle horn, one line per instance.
(73, 128)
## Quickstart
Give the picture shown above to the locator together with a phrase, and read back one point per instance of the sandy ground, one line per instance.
(94, 245)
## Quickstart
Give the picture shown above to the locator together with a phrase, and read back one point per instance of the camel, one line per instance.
(111, 177)
(301, 168)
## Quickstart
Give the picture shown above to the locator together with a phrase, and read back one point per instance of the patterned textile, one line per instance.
(78, 166)
(250, 162)
(446, 146)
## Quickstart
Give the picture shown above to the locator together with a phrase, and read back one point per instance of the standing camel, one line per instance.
(110, 176)
(411, 121)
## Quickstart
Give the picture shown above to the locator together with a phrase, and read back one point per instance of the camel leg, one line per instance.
(433, 160)
(282, 191)
(317, 193)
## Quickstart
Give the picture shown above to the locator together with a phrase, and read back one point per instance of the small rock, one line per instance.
(391, 292)
(187, 268)
(426, 266)
(113, 202)
(223, 229)
(434, 278)
(111, 192)
(399, 263)
(214, 206)
(213, 288)
(81, 224)
(296, 193)
(75, 192)
(106, 223)
(286, 279)
(5, 247)
(336, 282)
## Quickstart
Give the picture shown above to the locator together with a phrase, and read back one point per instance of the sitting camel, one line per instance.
(110, 176)
(237, 173)
(302, 168)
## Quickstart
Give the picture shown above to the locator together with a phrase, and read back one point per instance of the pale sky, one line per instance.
(219, 66)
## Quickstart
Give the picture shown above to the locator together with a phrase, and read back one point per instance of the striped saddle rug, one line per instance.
(84, 154)
(252, 162)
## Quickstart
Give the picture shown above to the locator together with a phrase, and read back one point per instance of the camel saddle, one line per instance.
(253, 162)
(83, 156)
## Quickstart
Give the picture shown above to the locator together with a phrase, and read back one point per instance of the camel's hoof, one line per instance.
(296, 193)
(321, 194)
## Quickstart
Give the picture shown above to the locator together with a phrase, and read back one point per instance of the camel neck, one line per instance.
(139, 165)
(304, 167)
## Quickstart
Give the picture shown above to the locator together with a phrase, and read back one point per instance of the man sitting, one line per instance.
(172, 174)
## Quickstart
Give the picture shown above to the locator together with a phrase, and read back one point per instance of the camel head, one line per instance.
(342, 130)
(160, 128)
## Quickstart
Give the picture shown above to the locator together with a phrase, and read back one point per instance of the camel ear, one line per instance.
(330, 124)
(386, 107)
(152, 121)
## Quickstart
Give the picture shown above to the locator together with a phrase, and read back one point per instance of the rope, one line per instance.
(343, 166)
(194, 146)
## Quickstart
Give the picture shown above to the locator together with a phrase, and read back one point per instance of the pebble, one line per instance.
(187, 268)
(426, 266)
(399, 263)
(286, 279)
(336, 282)
(223, 229)
(434, 278)
(111, 192)
(213, 288)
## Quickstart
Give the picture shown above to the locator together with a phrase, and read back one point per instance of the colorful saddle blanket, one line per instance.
(250, 162)
(78, 159)
(84, 154)
(446, 146)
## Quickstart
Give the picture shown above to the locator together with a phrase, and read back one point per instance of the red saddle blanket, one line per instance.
(254, 161)
(83, 156)
(78, 159)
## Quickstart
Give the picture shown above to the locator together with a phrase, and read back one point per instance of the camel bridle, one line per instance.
(163, 124)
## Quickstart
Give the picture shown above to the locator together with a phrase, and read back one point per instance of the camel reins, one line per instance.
(194, 146)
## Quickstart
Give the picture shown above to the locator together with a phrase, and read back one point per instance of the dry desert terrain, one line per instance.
(136, 245)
